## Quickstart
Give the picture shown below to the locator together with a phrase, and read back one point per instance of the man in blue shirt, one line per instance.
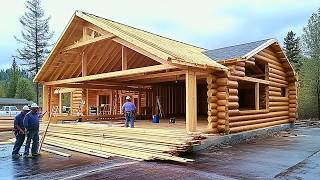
(19, 131)
(31, 124)
(128, 109)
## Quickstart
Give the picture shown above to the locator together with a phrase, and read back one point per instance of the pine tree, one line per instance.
(293, 51)
(311, 42)
(35, 38)
(14, 76)
(24, 89)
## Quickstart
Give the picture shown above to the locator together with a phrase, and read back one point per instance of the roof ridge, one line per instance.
(240, 44)
(143, 30)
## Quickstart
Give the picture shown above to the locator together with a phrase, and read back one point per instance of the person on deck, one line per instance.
(128, 109)
(31, 124)
(19, 131)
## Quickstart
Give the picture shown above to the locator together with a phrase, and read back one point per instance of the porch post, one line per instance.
(191, 101)
(45, 102)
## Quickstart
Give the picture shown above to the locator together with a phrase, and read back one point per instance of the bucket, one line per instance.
(155, 119)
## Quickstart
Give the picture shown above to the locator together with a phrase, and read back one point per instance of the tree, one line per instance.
(25, 89)
(14, 76)
(35, 38)
(311, 42)
(292, 49)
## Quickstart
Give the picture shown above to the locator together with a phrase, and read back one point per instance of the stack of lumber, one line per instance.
(6, 123)
(132, 143)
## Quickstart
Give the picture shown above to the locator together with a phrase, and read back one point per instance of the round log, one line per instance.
(222, 89)
(241, 63)
(212, 119)
(240, 68)
(221, 121)
(260, 56)
(274, 93)
(233, 98)
(212, 106)
(233, 112)
(278, 108)
(222, 81)
(221, 115)
(222, 95)
(233, 84)
(233, 92)
(211, 92)
(292, 96)
(292, 101)
(271, 88)
(222, 102)
(292, 110)
(238, 73)
(221, 108)
(233, 105)
(281, 103)
(279, 68)
(292, 93)
(292, 114)
(212, 99)
(275, 84)
(212, 112)
(235, 78)
(292, 106)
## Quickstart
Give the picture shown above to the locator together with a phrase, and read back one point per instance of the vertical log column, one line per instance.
(191, 101)
(212, 104)
(45, 102)
(237, 73)
(60, 102)
(292, 94)
(222, 104)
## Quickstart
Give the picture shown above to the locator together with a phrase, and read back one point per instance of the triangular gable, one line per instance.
(169, 51)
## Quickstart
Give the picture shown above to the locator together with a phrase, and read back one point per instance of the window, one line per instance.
(252, 95)
(283, 92)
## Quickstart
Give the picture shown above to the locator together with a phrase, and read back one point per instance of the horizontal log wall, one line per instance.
(279, 110)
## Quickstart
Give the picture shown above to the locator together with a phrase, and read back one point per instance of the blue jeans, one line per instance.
(17, 145)
(129, 119)
(34, 136)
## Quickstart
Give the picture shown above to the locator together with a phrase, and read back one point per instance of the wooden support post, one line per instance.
(139, 102)
(257, 95)
(60, 102)
(191, 101)
(124, 55)
(87, 102)
(84, 64)
(71, 102)
(45, 102)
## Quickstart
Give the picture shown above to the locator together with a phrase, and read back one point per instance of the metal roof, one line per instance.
(12, 101)
(233, 52)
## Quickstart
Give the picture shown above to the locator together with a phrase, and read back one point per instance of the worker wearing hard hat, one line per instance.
(19, 131)
(31, 124)
(128, 109)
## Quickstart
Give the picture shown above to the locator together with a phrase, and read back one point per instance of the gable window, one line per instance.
(256, 68)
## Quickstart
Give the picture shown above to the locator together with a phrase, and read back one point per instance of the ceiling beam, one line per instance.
(115, 74)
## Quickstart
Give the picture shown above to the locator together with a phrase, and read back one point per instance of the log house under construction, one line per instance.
(97, 62)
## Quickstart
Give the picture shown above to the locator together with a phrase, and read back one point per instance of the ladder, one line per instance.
(161, 114)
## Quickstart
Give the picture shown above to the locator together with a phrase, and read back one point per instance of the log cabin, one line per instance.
(96, 62)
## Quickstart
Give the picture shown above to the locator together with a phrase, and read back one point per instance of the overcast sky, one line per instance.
(205, 23)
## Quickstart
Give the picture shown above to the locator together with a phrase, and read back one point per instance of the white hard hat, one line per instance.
(128, 98)
(34, 105)
(25, 108)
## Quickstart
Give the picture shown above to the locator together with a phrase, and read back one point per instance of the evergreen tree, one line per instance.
(35, 38)
(25, 89)
(14, 76)
(293, 51)
(311, 42)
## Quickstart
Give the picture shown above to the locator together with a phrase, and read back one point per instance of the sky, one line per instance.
(205, 23)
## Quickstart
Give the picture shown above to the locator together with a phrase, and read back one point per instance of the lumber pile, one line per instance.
(132, 143)
(6, 123)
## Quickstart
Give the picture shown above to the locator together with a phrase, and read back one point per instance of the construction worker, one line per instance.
(19, 131)
(31, 124)
(128, 109)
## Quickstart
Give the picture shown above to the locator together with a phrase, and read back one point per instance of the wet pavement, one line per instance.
(286, 156)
